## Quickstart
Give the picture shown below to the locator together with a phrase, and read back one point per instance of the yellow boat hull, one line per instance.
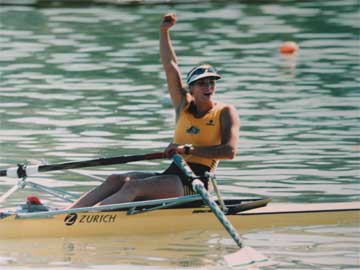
(176, 220)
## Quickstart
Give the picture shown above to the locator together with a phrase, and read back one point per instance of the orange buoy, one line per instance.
(288, 47)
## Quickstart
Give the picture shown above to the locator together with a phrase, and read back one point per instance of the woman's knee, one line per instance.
(116, 180)
(125, 177)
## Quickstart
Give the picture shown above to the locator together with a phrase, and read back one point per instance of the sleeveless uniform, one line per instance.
(204, 131)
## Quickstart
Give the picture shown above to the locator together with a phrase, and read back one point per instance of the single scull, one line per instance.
(174, 215)
(196, 212)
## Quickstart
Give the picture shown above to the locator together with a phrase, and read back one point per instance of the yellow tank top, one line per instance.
(204, 131)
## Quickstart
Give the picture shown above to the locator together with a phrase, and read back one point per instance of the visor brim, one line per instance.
(204, 75)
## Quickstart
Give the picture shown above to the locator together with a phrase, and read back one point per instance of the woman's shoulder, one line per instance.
(225, 106)
(229, 111)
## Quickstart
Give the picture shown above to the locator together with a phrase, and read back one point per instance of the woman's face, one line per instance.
(203, 89)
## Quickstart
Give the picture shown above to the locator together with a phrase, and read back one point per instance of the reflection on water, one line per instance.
(80, 83)
(290, 248)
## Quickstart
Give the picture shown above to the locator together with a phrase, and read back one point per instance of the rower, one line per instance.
(206, 131)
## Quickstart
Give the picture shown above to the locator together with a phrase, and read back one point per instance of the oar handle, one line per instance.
(23, 170)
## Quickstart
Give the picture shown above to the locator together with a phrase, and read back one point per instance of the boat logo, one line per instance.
(70, 219)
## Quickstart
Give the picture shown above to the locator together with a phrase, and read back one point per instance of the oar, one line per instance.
(22, 171)
(218, 195)
(246, 256)
(8, 193)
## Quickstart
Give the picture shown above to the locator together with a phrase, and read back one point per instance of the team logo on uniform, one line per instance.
(70, 219)
(210, 123)
(193, 130)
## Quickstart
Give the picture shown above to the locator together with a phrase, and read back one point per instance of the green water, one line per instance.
(83, 82)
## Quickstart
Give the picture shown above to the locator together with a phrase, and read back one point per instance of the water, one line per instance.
(83, 82)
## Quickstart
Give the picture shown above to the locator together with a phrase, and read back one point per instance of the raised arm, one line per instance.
(168, 58)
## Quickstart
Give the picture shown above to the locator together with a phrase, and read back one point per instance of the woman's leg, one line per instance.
(155, 187)
(111, 185)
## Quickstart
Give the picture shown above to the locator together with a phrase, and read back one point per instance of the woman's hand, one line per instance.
(174, 148)
(168, 21)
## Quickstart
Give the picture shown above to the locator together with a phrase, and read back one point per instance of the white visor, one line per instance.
(202, 71)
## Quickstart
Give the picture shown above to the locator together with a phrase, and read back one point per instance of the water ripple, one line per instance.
(67, 88)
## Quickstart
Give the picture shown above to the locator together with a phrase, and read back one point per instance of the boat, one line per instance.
(171, 216)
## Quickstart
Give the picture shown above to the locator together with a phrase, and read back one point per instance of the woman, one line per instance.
(206, 131)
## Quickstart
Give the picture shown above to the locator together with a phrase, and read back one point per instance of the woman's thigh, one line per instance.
(154, 187)
(116, 181)
(158, 187)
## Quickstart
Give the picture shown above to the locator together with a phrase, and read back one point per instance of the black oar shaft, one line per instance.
(99, 162)
(23, 171)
